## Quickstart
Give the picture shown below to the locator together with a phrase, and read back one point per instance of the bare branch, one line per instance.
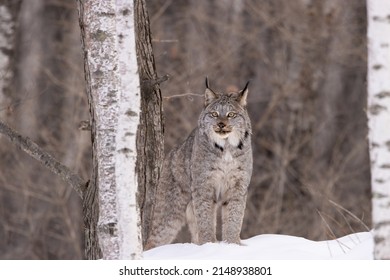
(189, 94)
(32, 149)
(339, 207)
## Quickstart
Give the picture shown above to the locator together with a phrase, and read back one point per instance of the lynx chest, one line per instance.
(227, 173)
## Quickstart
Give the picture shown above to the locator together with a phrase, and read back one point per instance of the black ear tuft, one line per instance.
(246, 86)
(209, 94)
(243, 94)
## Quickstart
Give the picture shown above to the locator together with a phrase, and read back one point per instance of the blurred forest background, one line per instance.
(306, 61)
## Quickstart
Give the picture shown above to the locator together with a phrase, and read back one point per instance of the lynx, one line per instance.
(211, 168)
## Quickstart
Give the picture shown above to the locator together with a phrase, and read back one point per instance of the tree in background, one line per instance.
(119, 130)
(378, 111)
(41, 216)
(307, 64)
(9, 11)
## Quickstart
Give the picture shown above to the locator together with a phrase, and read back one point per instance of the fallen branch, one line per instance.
(47, 160)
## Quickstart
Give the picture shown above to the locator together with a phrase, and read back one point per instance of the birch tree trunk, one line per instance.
(114, 97)
(378, 12)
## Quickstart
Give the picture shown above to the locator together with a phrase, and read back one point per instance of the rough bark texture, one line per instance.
(90, 201)
(150, 141)
(379, 119)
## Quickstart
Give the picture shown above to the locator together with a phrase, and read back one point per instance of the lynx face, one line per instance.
(225, 117)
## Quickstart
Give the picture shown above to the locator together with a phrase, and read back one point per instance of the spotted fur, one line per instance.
(212, 167)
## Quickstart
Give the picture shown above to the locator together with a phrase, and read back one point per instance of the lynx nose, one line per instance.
(221, 125)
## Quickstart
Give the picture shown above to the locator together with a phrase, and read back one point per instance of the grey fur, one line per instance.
(212, 167)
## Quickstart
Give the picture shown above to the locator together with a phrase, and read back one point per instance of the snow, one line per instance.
(356, 246)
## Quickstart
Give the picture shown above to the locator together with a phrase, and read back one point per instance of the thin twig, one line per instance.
(182, 95)
(36, 152)
(165, 40)
(332, 233)
(351, 214)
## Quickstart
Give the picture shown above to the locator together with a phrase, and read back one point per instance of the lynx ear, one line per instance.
(209, 95)
(242, 95)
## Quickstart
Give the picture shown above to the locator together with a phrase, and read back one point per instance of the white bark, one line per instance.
(379, 121)
(126, 151)
(112, 62)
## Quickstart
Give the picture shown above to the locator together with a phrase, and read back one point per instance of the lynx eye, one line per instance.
(214, 114)
(231, 115)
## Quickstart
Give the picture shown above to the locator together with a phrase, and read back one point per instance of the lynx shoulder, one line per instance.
(211, 168)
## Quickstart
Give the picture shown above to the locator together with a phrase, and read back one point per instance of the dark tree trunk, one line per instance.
(90, 199)
(150, 141)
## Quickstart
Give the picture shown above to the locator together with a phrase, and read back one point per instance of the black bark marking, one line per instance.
(131, 113)
(376, 109)
(125, 150)
(383, 94)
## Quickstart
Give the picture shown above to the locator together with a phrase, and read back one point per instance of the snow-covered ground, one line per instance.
(266, 256)
(356, 246)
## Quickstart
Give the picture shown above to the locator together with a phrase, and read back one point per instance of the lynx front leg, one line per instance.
(233, 210)
(191, 222)
(204, 209)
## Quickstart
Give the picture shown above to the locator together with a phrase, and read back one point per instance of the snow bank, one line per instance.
(272, 247)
